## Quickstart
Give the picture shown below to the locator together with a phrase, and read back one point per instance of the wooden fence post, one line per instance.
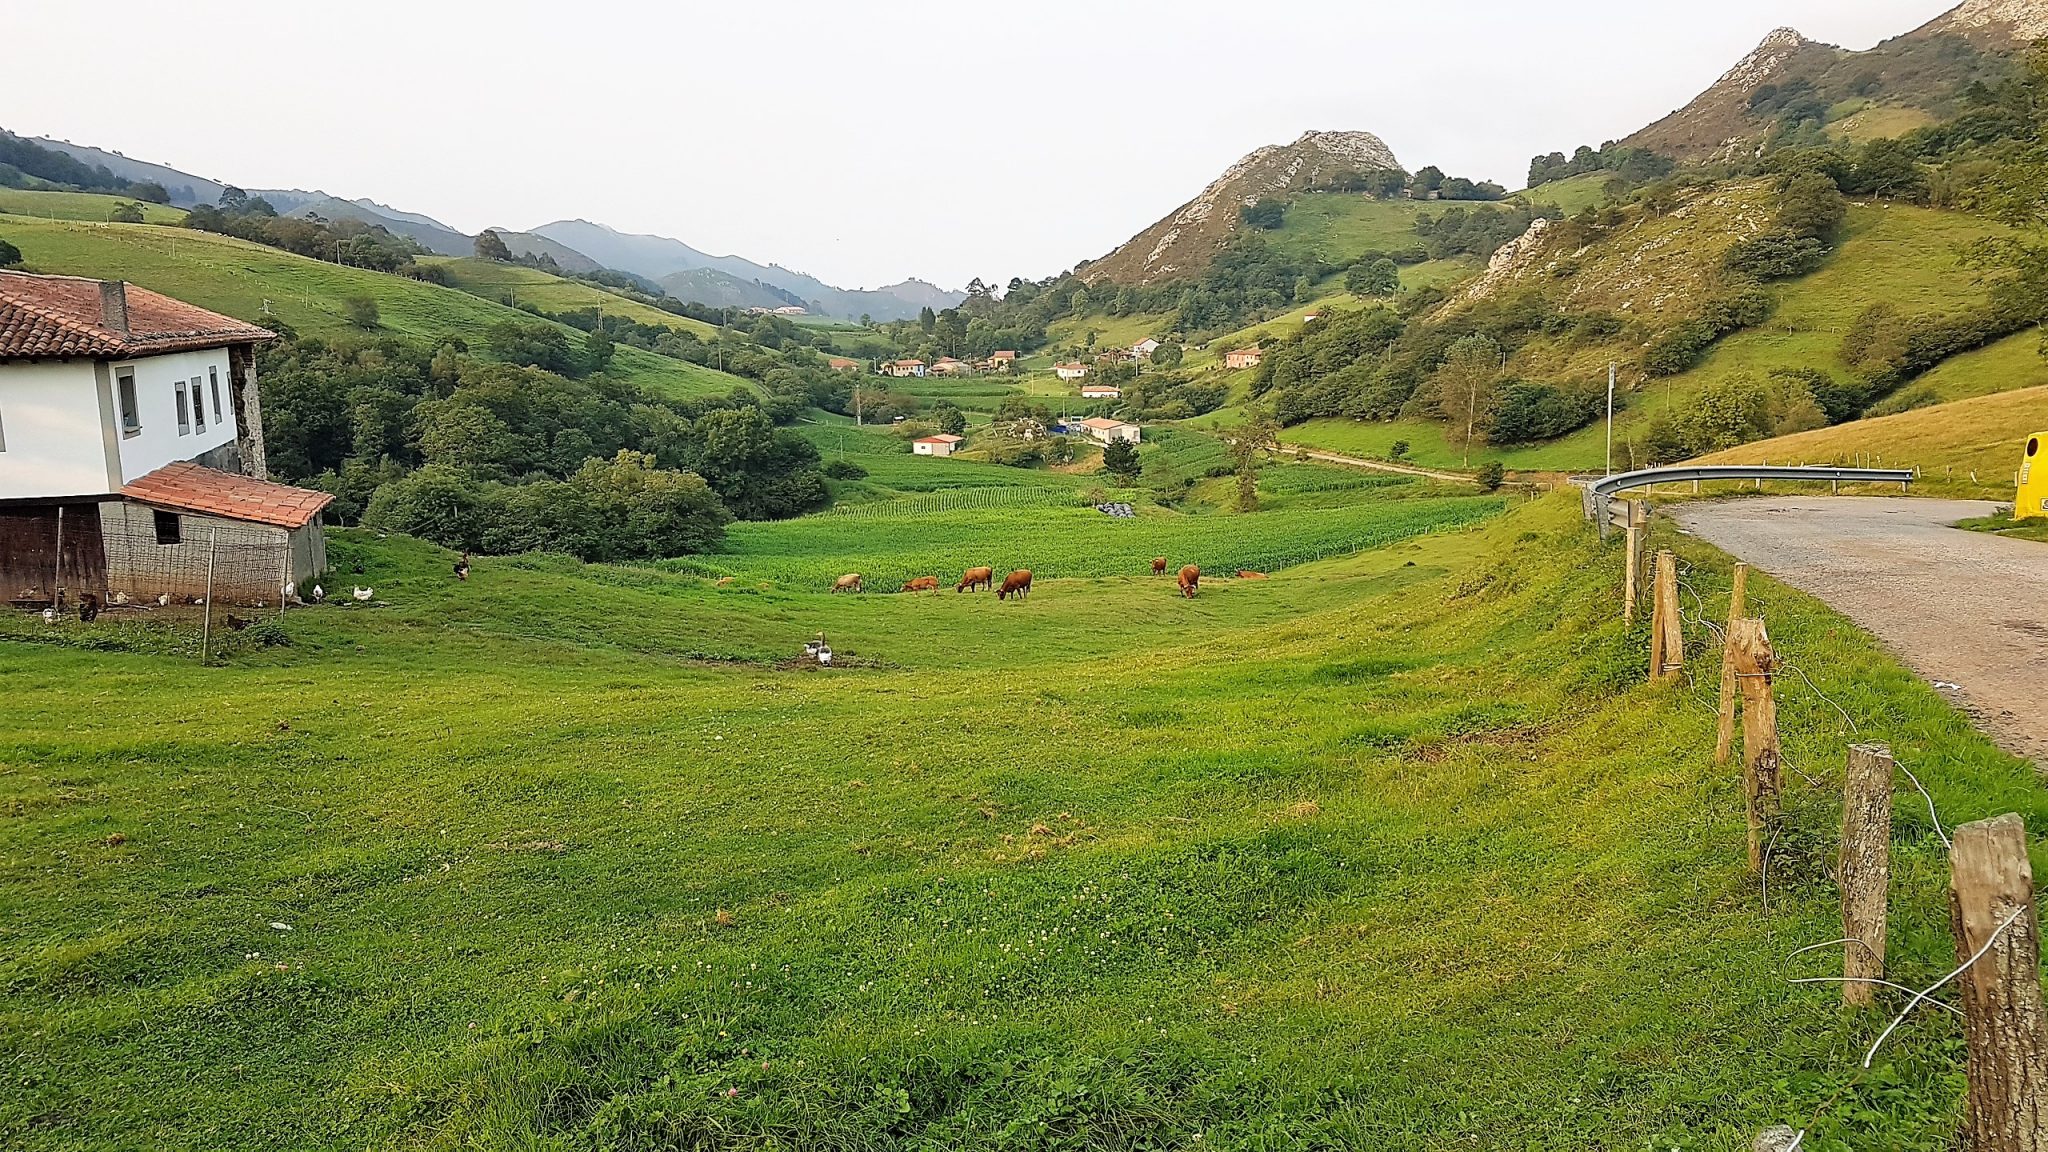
(1865, 868)
(1762, 757)
(1631, 583)
(1992, 884)
(1724, 737)
(1667, 634)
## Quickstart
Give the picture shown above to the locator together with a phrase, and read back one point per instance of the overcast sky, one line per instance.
(867, 142)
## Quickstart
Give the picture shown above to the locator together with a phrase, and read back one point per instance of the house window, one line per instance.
(131, 417)
(213, 377)
(167, 528)
(198, 407)
(184, 412)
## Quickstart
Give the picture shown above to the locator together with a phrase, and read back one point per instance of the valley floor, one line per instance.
(1390, 850)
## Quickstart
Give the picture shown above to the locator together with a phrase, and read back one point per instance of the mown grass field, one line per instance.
(52, 205)
(1985, 435)
(1390, 851)
(525, 285)
(240, 279)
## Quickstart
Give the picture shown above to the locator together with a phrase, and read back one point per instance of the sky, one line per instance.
(862, 143)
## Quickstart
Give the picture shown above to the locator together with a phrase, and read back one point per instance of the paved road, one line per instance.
(1964, 608)
(1375, 465)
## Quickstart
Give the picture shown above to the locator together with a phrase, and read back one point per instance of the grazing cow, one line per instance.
(1190, 578)
(1243, 575)
(847, 583)
(976, 578)
(1016, 584)
(922, 584)
(1159, 565)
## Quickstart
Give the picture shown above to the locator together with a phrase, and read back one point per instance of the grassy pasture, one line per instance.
(1392, 850)
(494, 281)
(53, 205)
(1947, 442)
(1065, 541)
(239, 279)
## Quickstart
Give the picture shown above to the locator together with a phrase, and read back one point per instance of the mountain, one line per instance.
(724, 290)
(428, 232)
(662, 258)
(528, 244)
(185, 188)
(1194, 233)
(1791, 83)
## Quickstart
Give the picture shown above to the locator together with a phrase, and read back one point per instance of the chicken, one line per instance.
(49, 615)
(363, 595)
(164, 601)
(88, 608)
(319, 593)
(462, 567)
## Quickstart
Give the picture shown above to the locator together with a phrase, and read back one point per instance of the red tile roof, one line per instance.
(189, 487)
(58, 317)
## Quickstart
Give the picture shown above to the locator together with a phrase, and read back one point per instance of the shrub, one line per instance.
(9, 255)
(1776, 256)
(1531, 412)
(362, 312)
(1492, 475)
(1677, 349)
(845, 470)
(126, 214)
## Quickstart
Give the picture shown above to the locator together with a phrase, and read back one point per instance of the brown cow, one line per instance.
(1243, 575)
(847, 583)
(976, 578)
(1190, 577)
(922, 584)
(1159, 565)
(1016, 584)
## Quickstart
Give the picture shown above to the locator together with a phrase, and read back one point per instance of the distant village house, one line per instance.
(1101, 392)
(1144, 349)
(1102, 430)
(941, 445)
(1070, 371)
(1000, 362)
(906, 368)
(131, 450)
(842, 364)
(947, 366)
(1243, 358)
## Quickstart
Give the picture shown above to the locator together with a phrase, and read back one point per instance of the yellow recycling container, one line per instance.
(2033, 495)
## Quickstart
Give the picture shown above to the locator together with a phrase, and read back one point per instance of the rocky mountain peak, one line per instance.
(2024, 20)
(1195, 232)
(1765, 60)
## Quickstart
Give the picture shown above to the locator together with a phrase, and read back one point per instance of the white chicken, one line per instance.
(49, 615)
(363, 595)
(164, 601)
(290, 590)
(319, 593)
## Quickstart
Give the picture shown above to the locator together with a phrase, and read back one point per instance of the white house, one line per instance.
(1101, 392)
(901, 368)
(1070, 371)
(128, 416)
(941, 445)
(1144, 349)
(1102, 430)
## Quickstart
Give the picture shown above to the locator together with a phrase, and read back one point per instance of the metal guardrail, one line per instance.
(1599, 494)
(1679, 475)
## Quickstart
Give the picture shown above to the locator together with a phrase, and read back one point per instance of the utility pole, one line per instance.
(1610, 417)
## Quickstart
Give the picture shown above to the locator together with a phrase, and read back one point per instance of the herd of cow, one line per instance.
(1018, 583)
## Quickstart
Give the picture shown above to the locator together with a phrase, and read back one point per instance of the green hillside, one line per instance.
(254, 282)
(493, 280)
(1336, 227)
(564, 857)
(1984, 435)
(79, 206)
(1905, 256)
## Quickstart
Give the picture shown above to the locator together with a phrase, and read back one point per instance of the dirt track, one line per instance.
(1962, 608)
